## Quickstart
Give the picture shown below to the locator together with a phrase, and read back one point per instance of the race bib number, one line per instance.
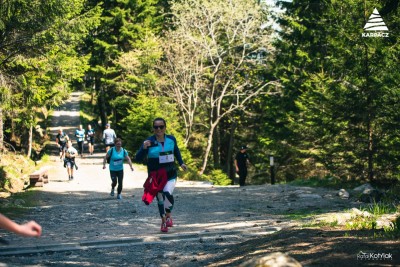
(166, 157)
(118, 162)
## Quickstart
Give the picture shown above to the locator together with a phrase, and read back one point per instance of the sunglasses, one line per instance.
(161, 127)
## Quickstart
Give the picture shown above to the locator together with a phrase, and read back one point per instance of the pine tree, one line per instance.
(339, 89)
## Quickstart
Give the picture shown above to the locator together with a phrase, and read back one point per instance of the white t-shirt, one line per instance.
(70, 152)
(109, 136)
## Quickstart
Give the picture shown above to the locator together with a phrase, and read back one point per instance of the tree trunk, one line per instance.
(102, 104)
(208, 149)
(229, 158)
(370, 145)
(1, 129)
(30, 141)
(215, 148)
(370, 153)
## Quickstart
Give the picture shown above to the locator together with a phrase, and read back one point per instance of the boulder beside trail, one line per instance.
(276, 259)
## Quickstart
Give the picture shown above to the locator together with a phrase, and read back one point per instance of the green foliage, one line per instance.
(361, 223)
(336, 91)
(123, 50)
(86, 115)
(139, 122)
(39, 63)
(218, 177)
(301, 214)
(191, 174)
(14, 171)
(335, 111)
(394, 230)
(328, 182)
(332, 224)
(215, 72)
(380, 208)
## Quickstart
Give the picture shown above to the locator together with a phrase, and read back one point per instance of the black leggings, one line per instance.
(161, 198)
(80, 147)
(242, 177)
(117, 177)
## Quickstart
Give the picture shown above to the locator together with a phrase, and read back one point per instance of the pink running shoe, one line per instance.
(164, 227)
(169, 222)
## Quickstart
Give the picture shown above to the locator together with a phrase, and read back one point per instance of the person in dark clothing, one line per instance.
(90, 139)
(241, 161)
(61, 141)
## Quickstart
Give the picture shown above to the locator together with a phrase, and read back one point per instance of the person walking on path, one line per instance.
(69, 162)
(161, 150)
(90, 139)
(80, 138)
(116, 156)
(61, 141)
(29, 229)
(241, 162)
(109, 137)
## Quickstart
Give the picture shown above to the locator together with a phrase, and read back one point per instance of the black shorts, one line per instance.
(69, 162)
(62, 146)
(110, 145)
(91, 140)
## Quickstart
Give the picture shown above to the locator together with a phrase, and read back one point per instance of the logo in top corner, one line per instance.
(375, 26)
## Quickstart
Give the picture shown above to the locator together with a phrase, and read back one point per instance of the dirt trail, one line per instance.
(84, 226)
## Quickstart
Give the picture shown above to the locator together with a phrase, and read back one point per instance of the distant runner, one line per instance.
(80, 138)
(116, 156)
(109, 137)
(61, 141)
(90, 139)
(69, 162)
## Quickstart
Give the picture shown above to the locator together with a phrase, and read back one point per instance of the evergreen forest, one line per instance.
(294, 80)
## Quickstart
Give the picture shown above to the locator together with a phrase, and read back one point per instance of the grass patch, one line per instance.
(361, 223)
(327, 182)
(380, 208)
(19, 203)
(301, 214)
(14, 171)
(394, 230)
(321, 224)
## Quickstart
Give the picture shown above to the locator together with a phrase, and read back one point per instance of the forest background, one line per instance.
(298, 83)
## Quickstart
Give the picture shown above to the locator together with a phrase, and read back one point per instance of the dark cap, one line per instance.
(243, 147)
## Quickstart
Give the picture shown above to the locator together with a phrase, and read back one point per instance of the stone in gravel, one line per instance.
(277, 259)
(343, 194)
(310, 196)
(219, 239)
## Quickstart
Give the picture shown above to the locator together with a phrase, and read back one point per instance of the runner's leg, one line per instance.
(120, 175)
(113, 175)
(169, 200)
(160, 202)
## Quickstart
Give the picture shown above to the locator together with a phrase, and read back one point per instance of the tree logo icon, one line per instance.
(375, 26)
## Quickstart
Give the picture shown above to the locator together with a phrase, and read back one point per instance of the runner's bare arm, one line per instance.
(29, 229)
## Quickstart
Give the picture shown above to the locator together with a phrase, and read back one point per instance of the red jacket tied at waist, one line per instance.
(154, 184)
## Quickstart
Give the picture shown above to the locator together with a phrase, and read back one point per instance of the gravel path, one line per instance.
(84, 226)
